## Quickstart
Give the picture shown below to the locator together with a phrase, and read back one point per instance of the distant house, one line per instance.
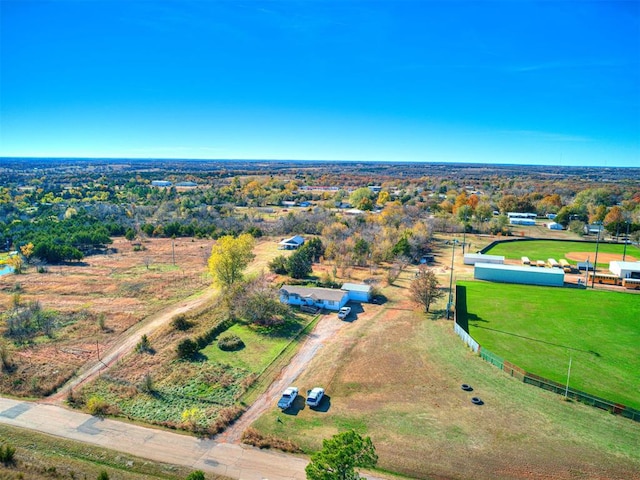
(161, 183)
(358, 292)
(288, 203)
(329, 298)
(292, 243)
(593, 229)
(554, 226)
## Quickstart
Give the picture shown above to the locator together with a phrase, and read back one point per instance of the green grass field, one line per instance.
(541, 328)
(544, 249)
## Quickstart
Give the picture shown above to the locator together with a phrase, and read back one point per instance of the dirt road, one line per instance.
(326, 328)
(127, 343)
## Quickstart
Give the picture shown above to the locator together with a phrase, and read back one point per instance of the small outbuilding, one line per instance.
(552, 277)
(625, 269)
(473, 258)
(554, 226)
(358, 291)
(292, 243)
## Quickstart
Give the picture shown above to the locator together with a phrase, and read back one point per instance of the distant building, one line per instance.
(554, 226)
(625, 269)
(593, 229)
(292, 243)
(522, 221)
(473, 258)
(160, 183)
(552, 277)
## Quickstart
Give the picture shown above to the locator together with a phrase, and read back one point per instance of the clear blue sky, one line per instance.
(537, 82)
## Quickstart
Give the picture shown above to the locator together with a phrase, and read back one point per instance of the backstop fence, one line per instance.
(530, 378)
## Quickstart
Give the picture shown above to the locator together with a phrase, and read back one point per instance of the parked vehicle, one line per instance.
(344, 311)
(315, 396)
(288, 397)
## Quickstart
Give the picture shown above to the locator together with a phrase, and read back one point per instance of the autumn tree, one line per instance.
(229, 257)
(424, 289)
(340, 456)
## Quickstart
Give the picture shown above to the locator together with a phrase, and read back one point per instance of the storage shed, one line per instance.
(552, 277)
(625, 269)
(358, 291)
(473, 258)
(554, 226)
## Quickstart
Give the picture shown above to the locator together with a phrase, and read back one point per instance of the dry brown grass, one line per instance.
(119, 287)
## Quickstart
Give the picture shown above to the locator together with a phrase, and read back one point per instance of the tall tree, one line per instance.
(340, 456)
(425, 288)
(229, 257)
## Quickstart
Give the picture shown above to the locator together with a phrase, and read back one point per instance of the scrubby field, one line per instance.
(541, 328)
(394, 373)
(572, 251)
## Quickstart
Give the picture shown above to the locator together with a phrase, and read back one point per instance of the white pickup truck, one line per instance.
(288, 397)
(344, 312)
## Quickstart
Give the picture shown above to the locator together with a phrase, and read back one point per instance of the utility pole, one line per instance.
(453, 249)
(566, 390)
(595, 262)
(624, 251)
(173, 248)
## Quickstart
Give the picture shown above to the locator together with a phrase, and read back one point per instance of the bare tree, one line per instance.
(425, 288)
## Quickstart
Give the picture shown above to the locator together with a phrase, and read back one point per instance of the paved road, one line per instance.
(235, 461)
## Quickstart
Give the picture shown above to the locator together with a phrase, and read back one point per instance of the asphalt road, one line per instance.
(235, 461)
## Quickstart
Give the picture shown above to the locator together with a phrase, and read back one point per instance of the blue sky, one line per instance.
(532, 82)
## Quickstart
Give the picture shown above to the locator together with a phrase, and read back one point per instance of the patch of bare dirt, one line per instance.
(602, 257)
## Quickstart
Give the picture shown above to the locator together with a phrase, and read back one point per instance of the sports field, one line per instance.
(572, 251)
(541, 328)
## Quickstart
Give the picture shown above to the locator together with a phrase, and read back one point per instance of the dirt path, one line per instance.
(126, 344)
(326, 328)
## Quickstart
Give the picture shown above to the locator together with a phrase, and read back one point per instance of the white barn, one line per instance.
(625, 269)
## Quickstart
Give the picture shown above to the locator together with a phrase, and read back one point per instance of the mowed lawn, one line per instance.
(541, 328)
(544, 249)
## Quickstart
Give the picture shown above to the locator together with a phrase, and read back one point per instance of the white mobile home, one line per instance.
(329, 298)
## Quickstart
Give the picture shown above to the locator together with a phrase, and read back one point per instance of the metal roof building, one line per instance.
(625, 269)
(552, 277)
(473, 258)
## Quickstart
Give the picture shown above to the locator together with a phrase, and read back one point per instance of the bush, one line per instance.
(97, 406)
(230, 342)
(181, 323)
(144, 345)
(187, 349)
(197, 475)
(103, 475)
(7, 453)
(251, 436)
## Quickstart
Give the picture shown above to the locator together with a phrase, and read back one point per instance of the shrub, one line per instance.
(103, 475)
(251, 436)
(147, 383)
(181, 323)
(197, 475)
(187, 349)
(230, 342)
(97, 406)
(144, 345)
(7, 453)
